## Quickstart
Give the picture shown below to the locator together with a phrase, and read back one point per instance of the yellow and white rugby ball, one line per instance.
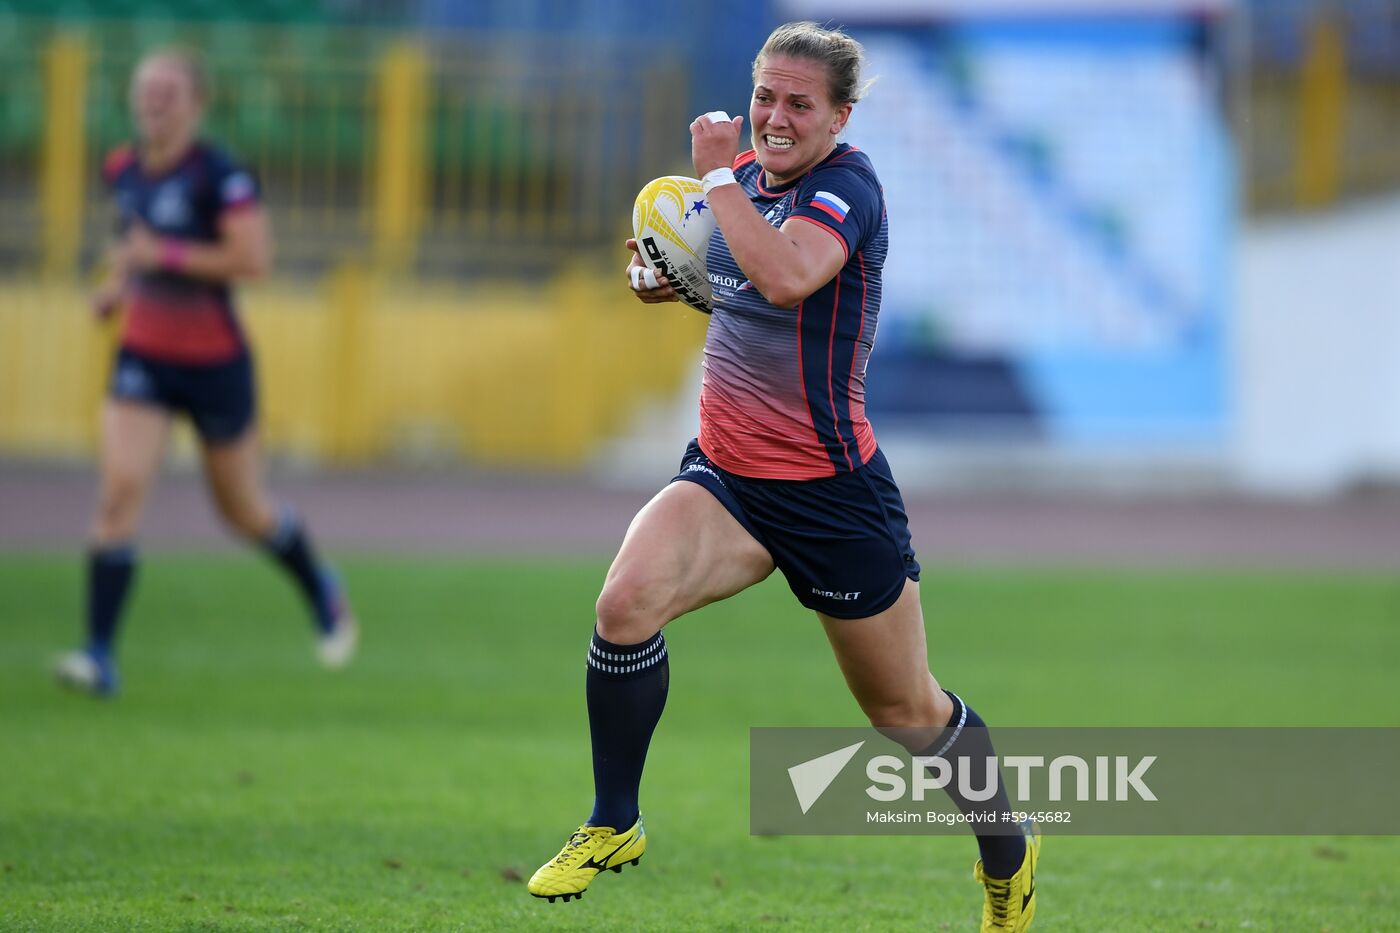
(672, 222)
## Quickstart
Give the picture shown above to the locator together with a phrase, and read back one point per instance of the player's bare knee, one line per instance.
(119, 487)
(914, 721)
(113, 527)
(243, 520)
(118, 503)
(629, 610)
(917, 710)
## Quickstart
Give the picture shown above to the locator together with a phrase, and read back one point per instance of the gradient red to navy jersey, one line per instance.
(784, 388)
(170, 316)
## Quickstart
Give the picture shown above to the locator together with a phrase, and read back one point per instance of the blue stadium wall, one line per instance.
(1062, 199)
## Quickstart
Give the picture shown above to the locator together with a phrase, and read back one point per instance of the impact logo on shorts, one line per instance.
(132, 381)
(702, 468)
(837, 595)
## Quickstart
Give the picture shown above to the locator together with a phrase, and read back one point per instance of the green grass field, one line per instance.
(235, 786)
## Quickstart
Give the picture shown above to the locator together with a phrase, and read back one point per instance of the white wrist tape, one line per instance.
(719, 116)
(643, 277)
(724, 175)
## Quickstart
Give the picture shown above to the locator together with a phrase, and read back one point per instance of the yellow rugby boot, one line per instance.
(1009, 904)
(590, 849)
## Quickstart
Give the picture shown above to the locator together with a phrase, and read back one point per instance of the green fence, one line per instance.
(514, 153)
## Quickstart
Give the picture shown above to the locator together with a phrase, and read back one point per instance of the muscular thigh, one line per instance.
(884, 659)
(234, 473)
(683, 551)
(132, 444)
(133, 440)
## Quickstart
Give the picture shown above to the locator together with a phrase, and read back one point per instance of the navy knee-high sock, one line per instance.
(966, 736)
(110, 570)
(626, 689)
(290, 544)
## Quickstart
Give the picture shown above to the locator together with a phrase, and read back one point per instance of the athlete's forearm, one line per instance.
(114, 267)
(111, 285)
(218, 262)
(770, 259)
(243, 251)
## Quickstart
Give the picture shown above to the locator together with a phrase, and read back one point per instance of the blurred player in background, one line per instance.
(786, 472)
(190, 224)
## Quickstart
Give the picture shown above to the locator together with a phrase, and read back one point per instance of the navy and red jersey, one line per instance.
(170, 316)
(783, 395)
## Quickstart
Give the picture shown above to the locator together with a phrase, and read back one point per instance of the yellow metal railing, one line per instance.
(1321, 108)
(367, 367)
(401, 142)
(1323, 130)
(62, 167)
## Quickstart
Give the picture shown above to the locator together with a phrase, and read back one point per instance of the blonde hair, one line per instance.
(842, 56)
(187, 60)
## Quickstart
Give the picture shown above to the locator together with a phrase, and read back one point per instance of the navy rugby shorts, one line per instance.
(219, 398)
(842, 541)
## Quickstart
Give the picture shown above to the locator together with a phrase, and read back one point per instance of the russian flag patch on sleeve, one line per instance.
(829, 203)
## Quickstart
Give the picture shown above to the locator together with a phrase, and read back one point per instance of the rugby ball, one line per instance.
(672, 222)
